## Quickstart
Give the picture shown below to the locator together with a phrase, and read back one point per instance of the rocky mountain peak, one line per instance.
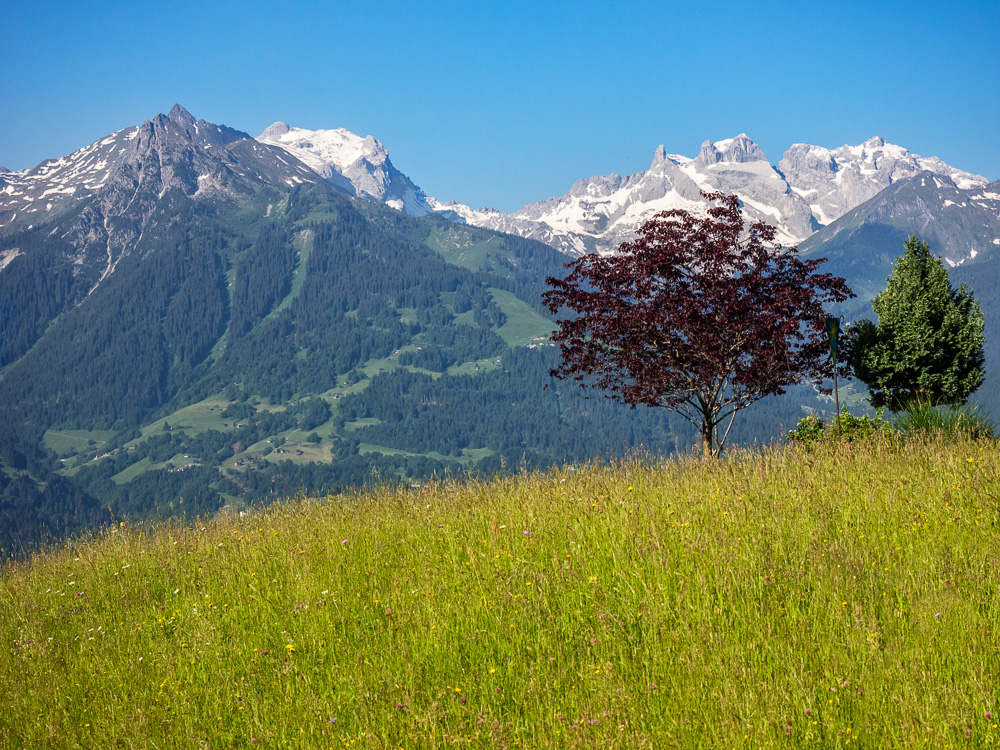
(659, 156)
(358, 164)
(112, 190)
(275, 130)
(708, 154)
(738, 150)
(180, 115)
(180, 126)
(811, 188)
(743, 149)
(836, 180)
(373, 150)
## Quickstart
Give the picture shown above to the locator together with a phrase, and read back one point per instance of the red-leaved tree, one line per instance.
(703, 316)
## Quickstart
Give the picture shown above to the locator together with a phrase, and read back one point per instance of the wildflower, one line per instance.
(344, 542)
(526, 533)
(289, 647)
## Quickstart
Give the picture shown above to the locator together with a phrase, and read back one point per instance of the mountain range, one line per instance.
(807, 190)
(194, 318)
(854, 205)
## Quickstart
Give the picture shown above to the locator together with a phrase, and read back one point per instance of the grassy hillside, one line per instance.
(844, 597)
(232, 358)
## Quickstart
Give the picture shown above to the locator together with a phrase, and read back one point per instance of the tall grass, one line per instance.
(950, 420)
(847, 596)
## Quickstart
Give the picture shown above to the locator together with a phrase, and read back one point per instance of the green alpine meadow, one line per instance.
(826, 594)
(501, 376)
(293, 455)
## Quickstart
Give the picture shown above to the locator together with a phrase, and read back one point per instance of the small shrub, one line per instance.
(811, 429)
(808, 430)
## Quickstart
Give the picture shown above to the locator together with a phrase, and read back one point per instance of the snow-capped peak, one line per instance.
(812, 187)
(358, 164)
(324, 150)
(834, 181)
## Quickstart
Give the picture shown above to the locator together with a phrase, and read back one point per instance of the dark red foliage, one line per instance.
(704, 316)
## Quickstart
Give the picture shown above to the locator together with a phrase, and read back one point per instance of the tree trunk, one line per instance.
(707, 439)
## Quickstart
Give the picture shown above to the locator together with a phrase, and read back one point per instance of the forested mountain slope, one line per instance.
(194, 320)
(173, 348)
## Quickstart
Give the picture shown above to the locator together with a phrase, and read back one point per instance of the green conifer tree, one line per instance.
(927, 347)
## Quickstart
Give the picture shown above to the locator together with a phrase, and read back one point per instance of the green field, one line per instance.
(301, 453)
(469, 455)
(76, 441)
(464, 246)
(204, 415)
(523, 323)
(844, 596)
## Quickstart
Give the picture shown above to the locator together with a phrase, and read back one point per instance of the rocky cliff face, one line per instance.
(599, 213)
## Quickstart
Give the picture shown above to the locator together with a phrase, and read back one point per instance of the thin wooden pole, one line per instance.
(836, 394)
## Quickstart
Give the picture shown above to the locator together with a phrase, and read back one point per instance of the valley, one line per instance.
(195, 319)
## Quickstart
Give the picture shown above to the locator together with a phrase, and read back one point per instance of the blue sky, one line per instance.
(505, 103)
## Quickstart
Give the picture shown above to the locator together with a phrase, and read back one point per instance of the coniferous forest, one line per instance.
(291, 341)
(327, 344)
